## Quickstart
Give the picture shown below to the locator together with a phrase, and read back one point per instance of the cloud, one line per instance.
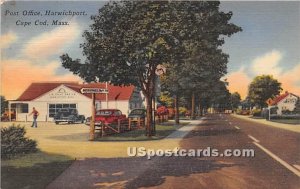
(52, 42)
(17, 75)
(267, 64)
(290, 80)
(238, 82)
(7, 39)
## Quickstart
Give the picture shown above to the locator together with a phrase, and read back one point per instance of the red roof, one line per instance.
(279, 98)
(115, 92)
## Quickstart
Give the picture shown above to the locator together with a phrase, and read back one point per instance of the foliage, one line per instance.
(14, 142)
(166, 99)
(242, 112)
(182, 110)
(256, 113)
(235, 99)
(128, 39)
(4, 104)
(297, 117)
(262, 88)
(287, 112)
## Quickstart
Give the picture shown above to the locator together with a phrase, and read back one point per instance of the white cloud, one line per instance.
(267, 64)
(7, 39)
(52, 42)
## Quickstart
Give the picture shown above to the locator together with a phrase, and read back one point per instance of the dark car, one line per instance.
(68, 115)
(107, 116)
(137, 113)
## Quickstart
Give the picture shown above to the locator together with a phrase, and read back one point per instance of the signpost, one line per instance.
(160, 70)
(93, 91)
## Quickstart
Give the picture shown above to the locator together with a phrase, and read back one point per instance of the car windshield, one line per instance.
(104, 113)
(137, 112)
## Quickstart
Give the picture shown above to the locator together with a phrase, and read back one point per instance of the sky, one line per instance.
(268, 44)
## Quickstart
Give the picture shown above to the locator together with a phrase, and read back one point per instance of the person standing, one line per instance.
(35, 114)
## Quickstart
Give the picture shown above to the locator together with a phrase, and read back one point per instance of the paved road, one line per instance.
(277, 155)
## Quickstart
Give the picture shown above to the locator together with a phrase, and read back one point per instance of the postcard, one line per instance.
(150, 94)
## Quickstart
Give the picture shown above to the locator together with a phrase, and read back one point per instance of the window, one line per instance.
(23, 108)
(54, 108)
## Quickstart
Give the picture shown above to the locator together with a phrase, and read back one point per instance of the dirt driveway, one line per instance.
(72, 140)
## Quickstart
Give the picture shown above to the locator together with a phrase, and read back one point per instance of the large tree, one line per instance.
(262, 88)
(205, 62)
(128, 39)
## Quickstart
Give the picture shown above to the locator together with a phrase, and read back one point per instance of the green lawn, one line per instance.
(34, 170)
(162, 130)
(287, 121)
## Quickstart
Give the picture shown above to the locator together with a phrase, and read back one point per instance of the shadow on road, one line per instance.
(131, 172)
(174, 167)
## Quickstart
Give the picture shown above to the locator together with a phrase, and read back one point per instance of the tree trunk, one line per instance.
(193, 106)
(176, 110)
(149, 116)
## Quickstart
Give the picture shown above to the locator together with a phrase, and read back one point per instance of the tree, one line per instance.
(128, 39)
(4, 104)
(235, 99)
(126, 42)
(204, 63)
(262, 88)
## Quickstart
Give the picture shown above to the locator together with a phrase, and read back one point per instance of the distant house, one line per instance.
(49, 97)
(283, 102)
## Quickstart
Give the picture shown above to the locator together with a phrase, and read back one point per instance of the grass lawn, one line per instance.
(34, 170)
(162, 130)
(287, 121)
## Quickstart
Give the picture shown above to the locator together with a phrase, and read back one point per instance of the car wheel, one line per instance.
(56, 122)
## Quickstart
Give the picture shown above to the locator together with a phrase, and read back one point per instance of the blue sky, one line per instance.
(269, 43)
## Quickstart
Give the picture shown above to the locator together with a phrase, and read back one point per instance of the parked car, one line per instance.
(68, 115)
(137, 113)
(107, 116)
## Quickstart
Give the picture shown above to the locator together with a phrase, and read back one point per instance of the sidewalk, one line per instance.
(115, 172)
(294, 128)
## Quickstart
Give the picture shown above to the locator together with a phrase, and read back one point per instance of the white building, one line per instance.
(49, 97)
(283, 102)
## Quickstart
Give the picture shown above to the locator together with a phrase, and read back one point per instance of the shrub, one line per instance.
(182, 110)
(256, 113)
(285, 116)
(14, 142)
(287, 112)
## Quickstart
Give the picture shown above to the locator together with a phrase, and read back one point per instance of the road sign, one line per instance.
(94, 90)
(160, 70)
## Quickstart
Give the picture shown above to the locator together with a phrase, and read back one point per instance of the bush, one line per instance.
(287, 112)
(14, 142)
(285, 116)
(256, 113)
